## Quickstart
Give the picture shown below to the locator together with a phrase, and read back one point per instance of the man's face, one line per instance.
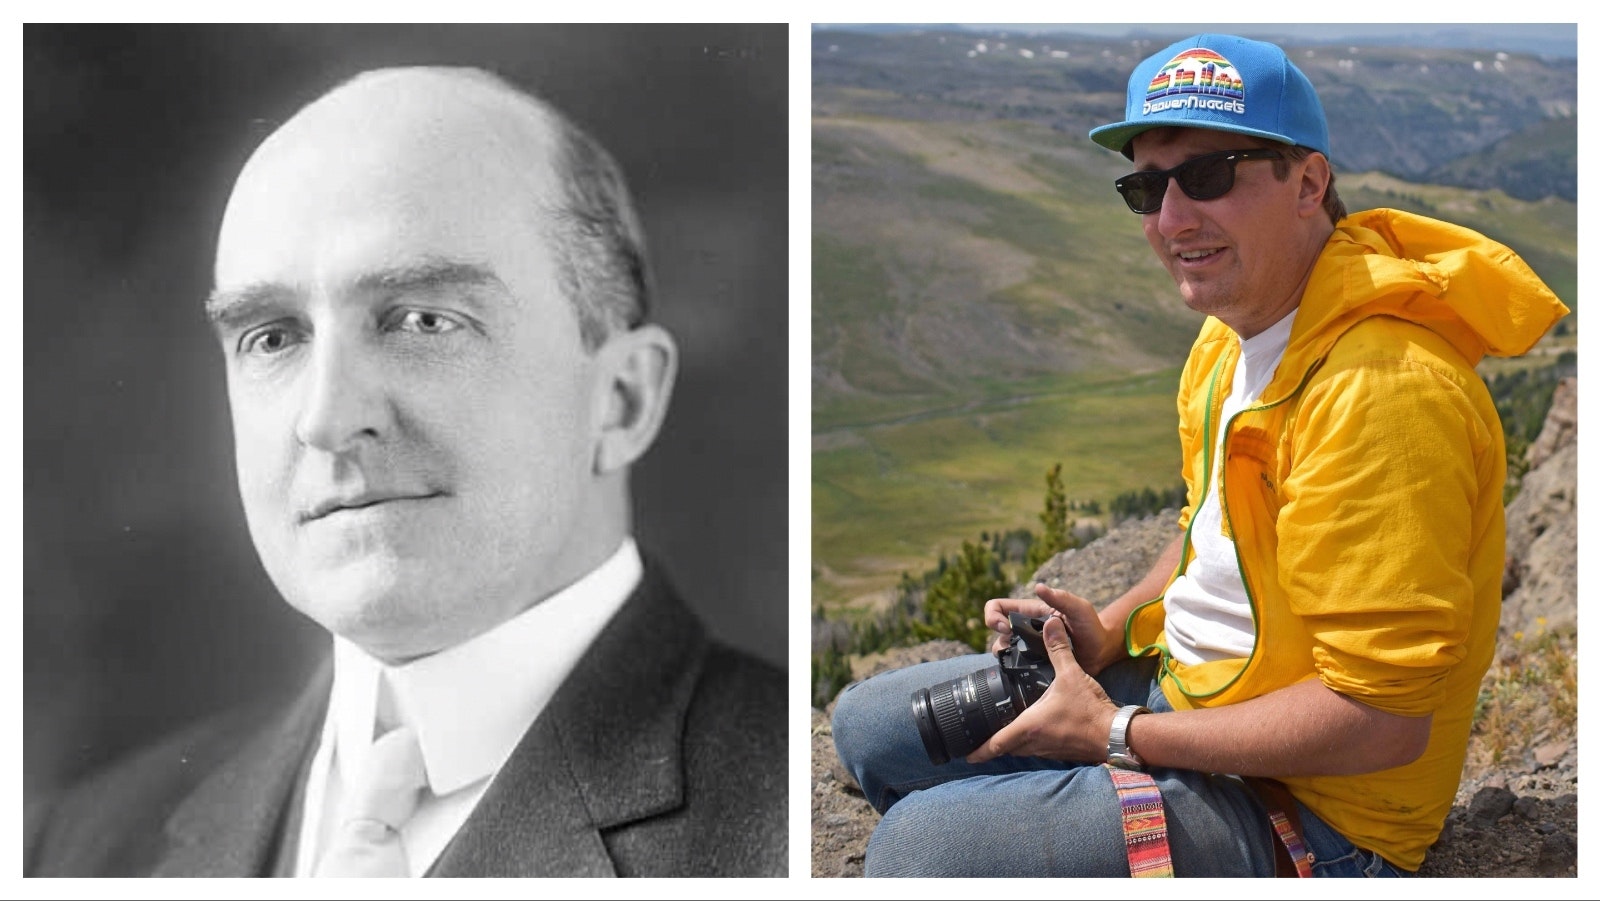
(413, 410)
(1241, 257)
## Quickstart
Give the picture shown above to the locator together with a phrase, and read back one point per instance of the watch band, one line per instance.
(1118, 754)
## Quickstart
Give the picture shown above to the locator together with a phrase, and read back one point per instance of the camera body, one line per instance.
(956, 716)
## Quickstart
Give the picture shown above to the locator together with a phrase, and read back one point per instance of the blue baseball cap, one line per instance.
(1221, 82)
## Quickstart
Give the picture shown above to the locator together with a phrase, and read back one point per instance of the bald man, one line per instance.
(431, 295)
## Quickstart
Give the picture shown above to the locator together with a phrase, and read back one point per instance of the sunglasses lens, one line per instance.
(1143, 190)
(1206, 177)
(1202, 178)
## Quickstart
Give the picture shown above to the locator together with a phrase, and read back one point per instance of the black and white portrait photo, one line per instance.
(405, 460)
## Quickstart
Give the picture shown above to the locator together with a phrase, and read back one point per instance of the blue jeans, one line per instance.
(1027, 816)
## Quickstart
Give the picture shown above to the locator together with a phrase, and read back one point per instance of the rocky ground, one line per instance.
(1516, 810)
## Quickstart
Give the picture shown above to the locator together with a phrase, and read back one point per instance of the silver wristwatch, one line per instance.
(1118, 754)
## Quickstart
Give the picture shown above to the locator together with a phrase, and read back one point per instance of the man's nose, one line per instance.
(1178, 212)
(343, 400)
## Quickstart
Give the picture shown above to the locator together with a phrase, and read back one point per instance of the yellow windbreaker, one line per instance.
(1363, 493)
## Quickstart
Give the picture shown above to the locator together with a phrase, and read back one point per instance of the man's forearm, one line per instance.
(1304, 730)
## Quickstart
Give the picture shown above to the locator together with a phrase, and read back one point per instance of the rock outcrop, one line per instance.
(1541, 577)
(1110, 565)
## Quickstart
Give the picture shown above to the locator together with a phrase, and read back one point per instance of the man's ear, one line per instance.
(1314, 180)
(637, 369)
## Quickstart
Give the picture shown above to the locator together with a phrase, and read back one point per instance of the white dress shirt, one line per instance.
(470, 705)
(1208, 610)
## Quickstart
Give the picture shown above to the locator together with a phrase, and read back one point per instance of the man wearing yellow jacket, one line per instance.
(1328, 606)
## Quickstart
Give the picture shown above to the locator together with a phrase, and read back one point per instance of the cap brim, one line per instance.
(1117, 135)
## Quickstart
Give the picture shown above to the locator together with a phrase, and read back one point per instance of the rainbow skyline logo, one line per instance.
(1197, 79)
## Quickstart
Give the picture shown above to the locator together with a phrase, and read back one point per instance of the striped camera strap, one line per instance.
(1144, 827)
(1144, 823)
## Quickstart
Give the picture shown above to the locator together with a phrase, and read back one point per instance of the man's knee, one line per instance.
(916, 838)
(854, 725)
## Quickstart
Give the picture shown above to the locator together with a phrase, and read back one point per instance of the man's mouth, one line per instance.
(324, 509)
(1194, 256)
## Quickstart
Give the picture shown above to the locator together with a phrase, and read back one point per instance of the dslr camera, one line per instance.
(957, 716)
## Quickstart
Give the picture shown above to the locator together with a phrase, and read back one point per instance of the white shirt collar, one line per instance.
(470, 704)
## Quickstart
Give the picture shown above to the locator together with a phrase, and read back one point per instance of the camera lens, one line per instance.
(957, 716)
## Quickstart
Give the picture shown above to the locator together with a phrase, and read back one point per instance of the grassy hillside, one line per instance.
(983, 305)
(890, 497)
(1528, 165)
(950, 260)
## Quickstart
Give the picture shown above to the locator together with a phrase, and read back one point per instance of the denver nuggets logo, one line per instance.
(1197, 79)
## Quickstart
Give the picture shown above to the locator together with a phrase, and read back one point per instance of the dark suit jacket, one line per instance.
(663, 754)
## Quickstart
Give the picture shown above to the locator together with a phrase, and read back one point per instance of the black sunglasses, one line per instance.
(1205, 177)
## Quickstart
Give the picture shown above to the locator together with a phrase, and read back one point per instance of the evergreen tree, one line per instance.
(1057, 535)
(953, 606)
(830, 673)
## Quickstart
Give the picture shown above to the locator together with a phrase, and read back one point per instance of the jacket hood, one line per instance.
(1474, 292)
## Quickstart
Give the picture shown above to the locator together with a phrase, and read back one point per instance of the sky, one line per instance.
(1559, 39)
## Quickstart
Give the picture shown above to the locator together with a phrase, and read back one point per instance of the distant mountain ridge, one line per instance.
(1406, 110)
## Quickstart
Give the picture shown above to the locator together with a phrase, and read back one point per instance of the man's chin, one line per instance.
(1202, 298)
(396, 607)
(386, 634)
(385, 616)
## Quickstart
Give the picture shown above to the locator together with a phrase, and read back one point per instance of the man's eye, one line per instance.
(267, 341)
(426, 322)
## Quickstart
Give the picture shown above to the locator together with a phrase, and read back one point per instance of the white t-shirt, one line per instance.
(1208, 612)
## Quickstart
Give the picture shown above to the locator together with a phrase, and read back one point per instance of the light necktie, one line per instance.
(382, 797)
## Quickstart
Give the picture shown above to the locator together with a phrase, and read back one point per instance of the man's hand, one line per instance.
(1095, 646)
(1071, 721)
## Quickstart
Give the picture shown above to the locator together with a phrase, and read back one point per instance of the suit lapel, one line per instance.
(531, 821)
(606, 751)
(231, 824)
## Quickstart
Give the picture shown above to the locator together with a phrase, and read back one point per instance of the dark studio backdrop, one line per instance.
(144, 603)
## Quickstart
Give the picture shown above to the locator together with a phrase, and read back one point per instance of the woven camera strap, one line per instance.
(1144, 823)
(1292, 858)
